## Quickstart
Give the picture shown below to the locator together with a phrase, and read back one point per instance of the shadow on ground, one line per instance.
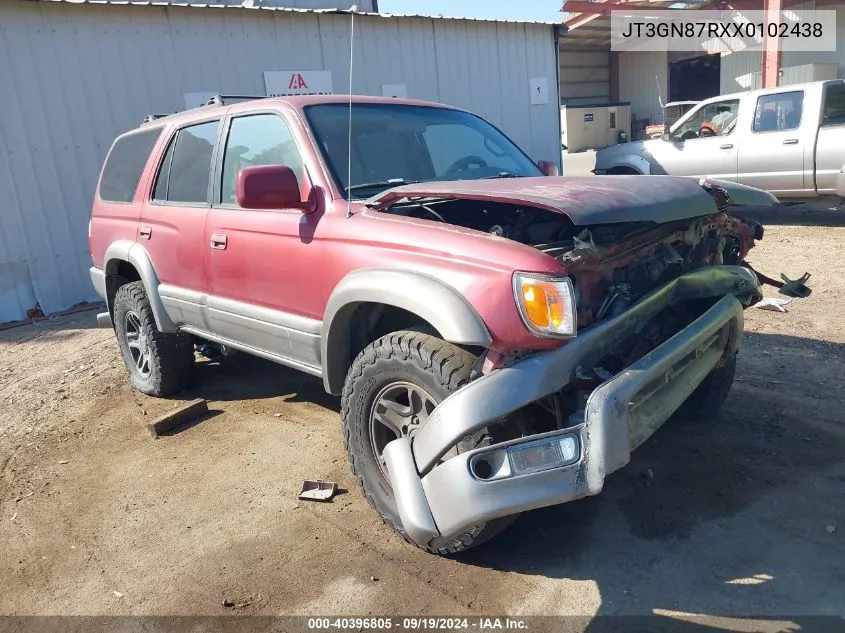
(245, 377)
(688, 489)
(799, 215)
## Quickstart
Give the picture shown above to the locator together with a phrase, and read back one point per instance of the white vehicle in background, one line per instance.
(789, 141)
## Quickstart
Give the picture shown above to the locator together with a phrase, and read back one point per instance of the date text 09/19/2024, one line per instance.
(418, 624)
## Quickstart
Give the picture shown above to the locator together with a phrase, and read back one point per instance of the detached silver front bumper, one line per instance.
(442, 498)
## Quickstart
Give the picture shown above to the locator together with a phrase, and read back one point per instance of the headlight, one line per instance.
(546, 304)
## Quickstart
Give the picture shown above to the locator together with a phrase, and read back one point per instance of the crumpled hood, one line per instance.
(589, 200)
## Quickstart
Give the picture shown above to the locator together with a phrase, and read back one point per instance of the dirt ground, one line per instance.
(743, 516)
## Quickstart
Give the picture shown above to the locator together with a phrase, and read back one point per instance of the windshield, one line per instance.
(393, 144)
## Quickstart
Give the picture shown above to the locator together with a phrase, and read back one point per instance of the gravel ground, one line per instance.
(742, 516)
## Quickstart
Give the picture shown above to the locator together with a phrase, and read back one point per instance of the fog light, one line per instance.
(543, 454)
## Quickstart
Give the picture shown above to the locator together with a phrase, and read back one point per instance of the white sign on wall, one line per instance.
(397, 91)
(196, 99)
(539, 90)
(280, 83)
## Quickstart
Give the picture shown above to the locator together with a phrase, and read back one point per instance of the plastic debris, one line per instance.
(795, 287)
(830, 529)
(775, 305)
(317, 490)
(118, 594)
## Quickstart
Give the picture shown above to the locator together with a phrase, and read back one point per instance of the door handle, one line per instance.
(218, 241)
(145, 232)
(791, 141)
(726, 146)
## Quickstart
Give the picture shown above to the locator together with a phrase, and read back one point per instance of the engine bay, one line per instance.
(612, 265)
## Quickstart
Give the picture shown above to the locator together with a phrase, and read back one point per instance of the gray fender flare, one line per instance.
(135, 254)
(447, 310)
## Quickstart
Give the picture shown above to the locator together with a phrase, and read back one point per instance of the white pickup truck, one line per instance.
(789, 141)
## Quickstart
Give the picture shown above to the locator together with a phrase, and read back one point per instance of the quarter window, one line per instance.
(258, 139)
(185, 170)
(779, 112)
(125, 163)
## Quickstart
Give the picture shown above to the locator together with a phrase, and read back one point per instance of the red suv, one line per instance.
(501, 339)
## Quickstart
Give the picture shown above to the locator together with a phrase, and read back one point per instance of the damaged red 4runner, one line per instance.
(501, 340)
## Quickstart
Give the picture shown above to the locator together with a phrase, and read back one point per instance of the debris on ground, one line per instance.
(317, 490)
(178, 416)
(830, 529)
(64, 461)
(243, 603)
(776, 305)
(795, 287)
(118, 594)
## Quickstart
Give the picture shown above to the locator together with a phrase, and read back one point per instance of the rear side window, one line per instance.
(834, 105)
(779, 112)
(125, 163)
(185, 171)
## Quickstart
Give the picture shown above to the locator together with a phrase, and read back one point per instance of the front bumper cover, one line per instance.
(437, 498)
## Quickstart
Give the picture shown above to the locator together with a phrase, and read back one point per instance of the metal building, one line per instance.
(589, 67)
(74, 74)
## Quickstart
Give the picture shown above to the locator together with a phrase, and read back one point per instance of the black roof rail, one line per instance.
(223, 99)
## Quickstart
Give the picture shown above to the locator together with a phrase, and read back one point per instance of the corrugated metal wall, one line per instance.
(365, 6)
(641, 75)
(738, 69)
(75, 76)
(584, 77)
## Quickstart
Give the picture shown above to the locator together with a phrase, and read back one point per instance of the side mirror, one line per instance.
(270, 187)
(548, 167)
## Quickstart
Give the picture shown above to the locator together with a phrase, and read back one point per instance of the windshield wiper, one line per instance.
(393, 182)
(502, 174)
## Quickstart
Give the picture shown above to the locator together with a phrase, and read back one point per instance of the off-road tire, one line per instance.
(171, 356)
(435, 365)
(704, 403)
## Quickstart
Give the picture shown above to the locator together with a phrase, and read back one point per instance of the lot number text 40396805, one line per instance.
(418, 624)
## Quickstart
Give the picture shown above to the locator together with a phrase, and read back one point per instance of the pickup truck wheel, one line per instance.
(159, 364)
(391, 388)
(711, 394)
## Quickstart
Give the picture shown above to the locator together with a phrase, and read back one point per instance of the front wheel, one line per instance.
(710, 395)
(390, 390)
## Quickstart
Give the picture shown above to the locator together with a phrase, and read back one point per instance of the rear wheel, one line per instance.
(390, 390)
(158, 364)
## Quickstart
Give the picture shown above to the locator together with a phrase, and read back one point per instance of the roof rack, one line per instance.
(223, 99)
(215, 100)
(153, 117)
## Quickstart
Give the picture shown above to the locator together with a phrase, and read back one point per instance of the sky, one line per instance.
(528, 10)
